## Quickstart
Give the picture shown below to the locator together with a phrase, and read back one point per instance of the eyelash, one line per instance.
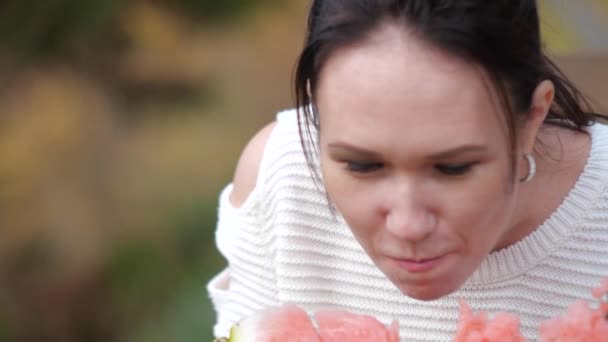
(446, 169)
(454, 169)
(362, 167)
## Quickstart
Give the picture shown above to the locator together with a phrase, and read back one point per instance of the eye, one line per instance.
(454, 169)
(362, 167)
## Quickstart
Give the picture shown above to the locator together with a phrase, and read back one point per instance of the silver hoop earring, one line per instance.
(531, 168)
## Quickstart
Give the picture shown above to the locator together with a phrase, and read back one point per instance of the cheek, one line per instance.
(355, 200)
(483, 213)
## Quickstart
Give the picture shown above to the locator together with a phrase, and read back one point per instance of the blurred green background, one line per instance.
(120, 121)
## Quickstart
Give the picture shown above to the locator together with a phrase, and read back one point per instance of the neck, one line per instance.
(561, 155)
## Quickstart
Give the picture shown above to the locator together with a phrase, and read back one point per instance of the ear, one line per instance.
(542, 99)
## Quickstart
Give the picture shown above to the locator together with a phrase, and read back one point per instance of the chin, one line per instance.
(427, 292)
(423, 295)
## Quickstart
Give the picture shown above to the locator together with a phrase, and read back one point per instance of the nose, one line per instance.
(408, 218)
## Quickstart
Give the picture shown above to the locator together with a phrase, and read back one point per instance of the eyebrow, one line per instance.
(348, 148)
(459, 150)
(469, 148)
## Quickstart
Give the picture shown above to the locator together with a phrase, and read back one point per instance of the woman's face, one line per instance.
(415, 156)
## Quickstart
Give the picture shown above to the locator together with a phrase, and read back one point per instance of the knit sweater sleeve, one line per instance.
(244, 238)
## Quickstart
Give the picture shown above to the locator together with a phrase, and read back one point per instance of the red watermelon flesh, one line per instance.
(290, 323)
(340, 326)
(285, 324)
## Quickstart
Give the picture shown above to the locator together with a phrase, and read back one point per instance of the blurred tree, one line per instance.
(38, 27)
(213, 10)
(43, 28)
(110, 117)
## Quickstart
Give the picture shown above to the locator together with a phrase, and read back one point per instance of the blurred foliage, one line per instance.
(50, 27)
(42, 27)
(4, 334)
(216, 11)
(117, 133)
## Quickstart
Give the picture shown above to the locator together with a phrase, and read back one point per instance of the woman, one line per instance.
(436, 155)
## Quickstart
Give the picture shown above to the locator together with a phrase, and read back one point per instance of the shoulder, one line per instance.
(272, 161)
(247, 169)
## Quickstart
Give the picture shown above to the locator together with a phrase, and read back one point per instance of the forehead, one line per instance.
(393, 82)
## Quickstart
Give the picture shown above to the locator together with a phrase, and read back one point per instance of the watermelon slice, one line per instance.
(285, 324)
(476, 327)
(290, 323)
(340, 326)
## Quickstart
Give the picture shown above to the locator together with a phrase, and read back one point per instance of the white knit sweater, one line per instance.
(284, 245)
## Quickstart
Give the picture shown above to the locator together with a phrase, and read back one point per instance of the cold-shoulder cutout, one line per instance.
(247, 169)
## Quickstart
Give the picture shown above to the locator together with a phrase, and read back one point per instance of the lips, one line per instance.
(420, 265)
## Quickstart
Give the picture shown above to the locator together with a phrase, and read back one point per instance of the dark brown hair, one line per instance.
(501, 36)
